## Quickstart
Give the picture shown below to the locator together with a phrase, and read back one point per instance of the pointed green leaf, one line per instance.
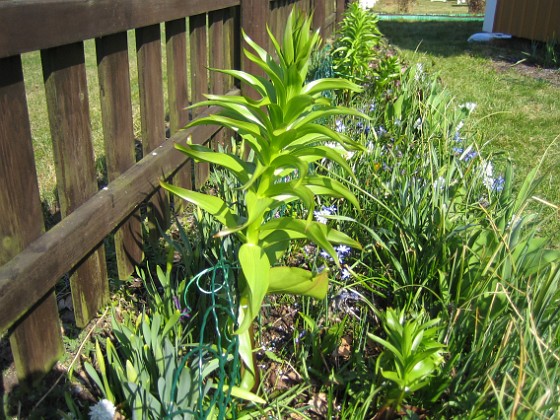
(297, 281)
(240, 168)
(255, 267)
(213, 205)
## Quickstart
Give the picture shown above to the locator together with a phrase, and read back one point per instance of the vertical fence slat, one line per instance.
(199, 78)
(217, 61)
(116, 109)
(232, 57)
(148, 48)
(176, 48)
(254, 15)
(216, 43)
(67, 101)
(319, 15)
(340, 5)
(36, 340)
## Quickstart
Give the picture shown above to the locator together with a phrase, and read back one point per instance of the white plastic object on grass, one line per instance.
(367, 4)
(487, 36)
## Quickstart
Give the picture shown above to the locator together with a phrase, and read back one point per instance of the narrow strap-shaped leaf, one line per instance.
(321, 85)
(287, 228)
(213, 205)
(322, 185)
(285, 192)
(256, 268)
(314, 153)
(239, 167)
(298, 281)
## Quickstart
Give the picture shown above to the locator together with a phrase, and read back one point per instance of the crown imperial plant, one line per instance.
(282, 130)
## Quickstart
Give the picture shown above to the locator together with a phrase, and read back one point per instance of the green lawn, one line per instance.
(422, 7)
(518, 111)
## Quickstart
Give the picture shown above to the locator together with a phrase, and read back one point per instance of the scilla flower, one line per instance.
(103, 410)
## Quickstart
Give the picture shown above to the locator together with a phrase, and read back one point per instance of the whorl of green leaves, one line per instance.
(357, 38)
(282, 130)
(412, 354)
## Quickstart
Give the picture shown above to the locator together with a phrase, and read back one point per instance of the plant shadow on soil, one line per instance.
(41, 399)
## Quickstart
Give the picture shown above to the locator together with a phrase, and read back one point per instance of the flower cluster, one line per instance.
(325, 211)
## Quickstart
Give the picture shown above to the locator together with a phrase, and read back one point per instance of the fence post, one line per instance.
(254, 15)
(340, 7)
(35, 340)
(68, 107)
(118, 131)
(152, 112)
(319, 16)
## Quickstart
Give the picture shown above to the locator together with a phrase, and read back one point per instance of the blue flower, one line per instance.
(342, 251)
(340, 127)
(457, 137)
(344, 274)
(471, 155)
(325, 211)
(184, 312)
(498, 184)
(381, 131)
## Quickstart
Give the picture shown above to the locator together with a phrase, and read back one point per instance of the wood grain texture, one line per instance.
(319, 14)
(118, 131)
(231, 44)
(43, 20)
(199, 79)
(150, 82)
(68, 108)
(218, 53)
(177, 87)
(67, 102)
(36, 340)
(177, 90)
(340, 6)
(30, 275)
(254, 15)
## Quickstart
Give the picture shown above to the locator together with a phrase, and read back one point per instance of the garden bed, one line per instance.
(443, 292)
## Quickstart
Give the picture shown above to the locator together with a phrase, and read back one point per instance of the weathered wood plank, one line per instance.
(176, 48)
(231, 45)
(68, 108)
(199, 79)
(116, 110)
(177, 87)
(217, 61)
(150, 81)
(319, 17)
(27, 277)
(217, 55)
(340, 6)
(254, 15)
(81, 20)
(36, 340)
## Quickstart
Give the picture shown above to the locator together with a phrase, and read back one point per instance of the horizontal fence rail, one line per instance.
(172, 43)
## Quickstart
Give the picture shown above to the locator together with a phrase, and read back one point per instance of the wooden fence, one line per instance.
(537, 20)
(196, 33)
